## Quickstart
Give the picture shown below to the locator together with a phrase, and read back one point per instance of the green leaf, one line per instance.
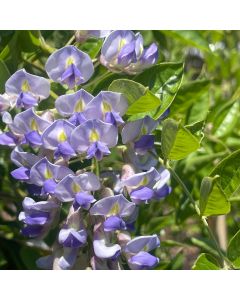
(229, 171)
(177, 141)
(206, 262)
(189, 94)
(164, 80)
(213, 201)
(228, 120)
(145, 103)
(4, 76)
(140, 99)
(233, 251)
(92, 47)
(189, 37)
(195, 127)
(129, 88)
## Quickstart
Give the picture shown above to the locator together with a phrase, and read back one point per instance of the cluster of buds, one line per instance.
(102, 204)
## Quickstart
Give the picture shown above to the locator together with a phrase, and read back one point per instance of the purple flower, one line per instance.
(77, 189)
(72, 238)
(145, 186)
(69, 66)
(57, 137)
(137, 250)
(123, 51)
(27, 89)
(47, 175)
(139, 133)
(73, 106)
(102, 245)
(37, 216)
(117, 210)
(139, 161)
(82, 35)
(94, 137)
(29, 127)
(108, 107)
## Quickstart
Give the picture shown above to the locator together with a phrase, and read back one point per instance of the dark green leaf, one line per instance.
(229, 171)
(4, 76)
(233, 251)
(190, 93)
(163, 80)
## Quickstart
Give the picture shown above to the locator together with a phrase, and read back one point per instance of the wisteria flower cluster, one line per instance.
(92, 210)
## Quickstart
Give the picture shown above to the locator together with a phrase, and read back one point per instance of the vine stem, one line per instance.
(69, 42)
(97, 171)
(224, 260)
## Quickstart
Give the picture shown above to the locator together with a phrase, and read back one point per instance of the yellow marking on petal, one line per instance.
(48, 174)
(75, 187)
(80, 105)
(114, 210)
(144, 130)
(69, 61)
(144, 181)
(62, 137)
(25, 86)
(122, 43)
(106, 107)
(34, 125)
(145, 248)
(94, 136)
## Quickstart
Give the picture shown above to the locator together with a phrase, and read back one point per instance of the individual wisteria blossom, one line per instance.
(94, 138)
(69, 66)
(73, 105)
(71, 237)
(103, 247)
(77, 189)
(123, 51)
(108, 107)
(24, 161)
(87, 200)
(56, 137)
(27, 89)
(138, 133)
(145, 186)
(47, 175)
(26, 128)
(82, 35)
(117, 210)
(38, 216)
(137, 252)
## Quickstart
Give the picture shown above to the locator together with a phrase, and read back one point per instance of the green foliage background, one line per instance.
(203, 128)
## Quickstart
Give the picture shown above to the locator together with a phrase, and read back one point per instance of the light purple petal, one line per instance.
(113, 205)
(44, 170)
(143, 261)
(114, 42)
(106, 102)
(22, 158)
(68, 104)
(22, 81)
(142, 243)
(59, 131)
(60, 60)
(91, 131)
